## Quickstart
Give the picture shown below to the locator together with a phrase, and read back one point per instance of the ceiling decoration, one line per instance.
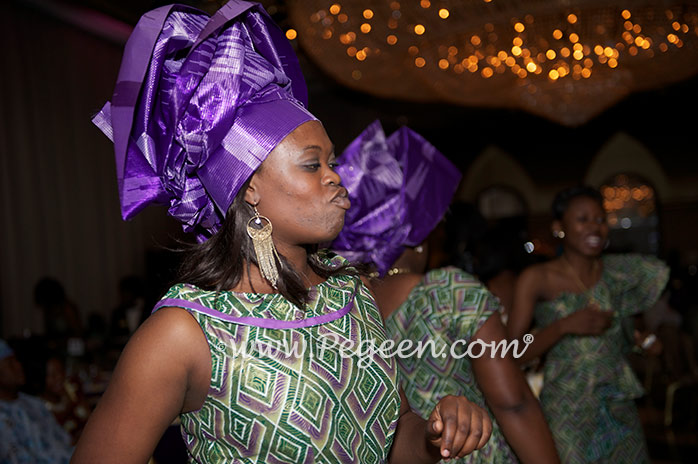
(564, 60)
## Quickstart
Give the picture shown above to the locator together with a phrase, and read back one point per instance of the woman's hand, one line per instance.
(458, 427)
(587, 321)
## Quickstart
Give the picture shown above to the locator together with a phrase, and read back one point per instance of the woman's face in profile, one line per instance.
(585, 227)
(297, 189)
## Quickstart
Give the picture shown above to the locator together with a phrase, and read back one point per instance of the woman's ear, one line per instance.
(556, 228)
(252, 193)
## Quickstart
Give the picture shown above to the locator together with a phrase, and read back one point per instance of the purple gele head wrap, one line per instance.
(199, 103)
(399, 187)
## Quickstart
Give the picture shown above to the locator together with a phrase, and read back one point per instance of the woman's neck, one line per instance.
(584, 269)
(392, 291)
(296, 256)
(583, 263)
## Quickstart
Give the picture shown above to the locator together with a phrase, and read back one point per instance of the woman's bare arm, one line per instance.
(525, 296)
(163, 371)
(511, 401)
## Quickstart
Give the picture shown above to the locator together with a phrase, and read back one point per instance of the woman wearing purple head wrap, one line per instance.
(259, 353)
(400, 188)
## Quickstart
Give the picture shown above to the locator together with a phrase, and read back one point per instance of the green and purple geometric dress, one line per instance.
(589, 387)
(446, 306)
(281, 392)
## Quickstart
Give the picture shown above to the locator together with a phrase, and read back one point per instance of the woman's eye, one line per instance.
(333, 165)
(313, 166)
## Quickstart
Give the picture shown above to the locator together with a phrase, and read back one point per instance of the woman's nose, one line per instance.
(332, 178)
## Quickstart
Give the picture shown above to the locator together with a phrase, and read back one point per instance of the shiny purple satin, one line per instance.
(199, 103)
(399, 187)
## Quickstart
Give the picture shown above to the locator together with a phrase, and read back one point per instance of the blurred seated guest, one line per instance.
(28, 431)
(64, 398)
(130, 311)
(45, 377)
(96, 339)
(61, 315)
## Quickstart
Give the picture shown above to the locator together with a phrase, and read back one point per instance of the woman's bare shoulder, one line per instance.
(535, 272)
(169, 333)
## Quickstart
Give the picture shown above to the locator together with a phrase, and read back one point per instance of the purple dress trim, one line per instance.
(256, 321)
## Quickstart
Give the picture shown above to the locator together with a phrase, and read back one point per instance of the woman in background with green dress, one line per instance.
(582, 303)
(400, 188)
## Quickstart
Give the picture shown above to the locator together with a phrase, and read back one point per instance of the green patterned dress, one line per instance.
(589, 387)
(281, 392)
(446, 306)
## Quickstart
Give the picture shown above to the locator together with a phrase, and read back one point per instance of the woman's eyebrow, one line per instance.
(317, 147)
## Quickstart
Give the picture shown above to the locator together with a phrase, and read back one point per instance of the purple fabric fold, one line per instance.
(400, 187)
(199, 103)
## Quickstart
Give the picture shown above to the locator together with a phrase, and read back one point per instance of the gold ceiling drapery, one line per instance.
(563, 60)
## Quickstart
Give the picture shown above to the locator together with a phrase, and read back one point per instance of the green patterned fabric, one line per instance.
(281, 406)
(447, 305)
(589, 387)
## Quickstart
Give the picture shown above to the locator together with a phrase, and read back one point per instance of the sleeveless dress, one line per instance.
(282, 391)
(446, 306)
(589, 387)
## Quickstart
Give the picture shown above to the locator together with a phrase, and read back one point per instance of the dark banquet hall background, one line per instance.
(525, 97)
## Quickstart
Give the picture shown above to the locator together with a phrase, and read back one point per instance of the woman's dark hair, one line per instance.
(564, 197)
(217, 264)
(464, 227)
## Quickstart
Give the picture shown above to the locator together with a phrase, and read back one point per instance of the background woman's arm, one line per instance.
(511, 401)
(525, 295)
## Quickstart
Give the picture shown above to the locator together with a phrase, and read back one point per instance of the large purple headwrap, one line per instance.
(400, 188)
(199, 103)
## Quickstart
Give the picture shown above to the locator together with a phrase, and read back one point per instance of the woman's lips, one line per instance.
(341, 199)
(593, 241)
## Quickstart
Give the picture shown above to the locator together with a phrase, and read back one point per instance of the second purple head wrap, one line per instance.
(400, 187)
(199, 103)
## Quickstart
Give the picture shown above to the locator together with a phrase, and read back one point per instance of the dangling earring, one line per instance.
(264, 247)
(419, 249)
(558, 234)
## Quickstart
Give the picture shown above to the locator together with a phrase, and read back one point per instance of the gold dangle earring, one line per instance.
(264, 246)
